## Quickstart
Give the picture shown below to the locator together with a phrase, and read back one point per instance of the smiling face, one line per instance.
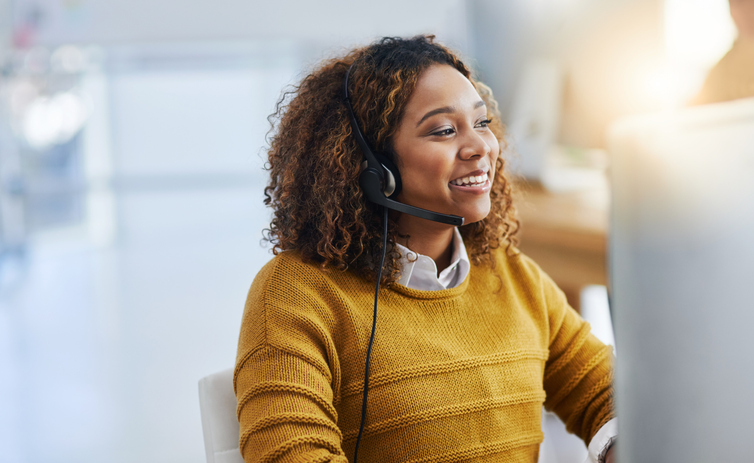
(446, 153)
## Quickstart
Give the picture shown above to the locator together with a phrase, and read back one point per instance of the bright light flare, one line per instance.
(54, 120)
(698, 32)
(667, 86)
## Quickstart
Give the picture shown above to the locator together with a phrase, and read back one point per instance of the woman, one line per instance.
(472, 336)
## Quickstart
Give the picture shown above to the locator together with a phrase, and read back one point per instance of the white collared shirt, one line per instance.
(420, 272)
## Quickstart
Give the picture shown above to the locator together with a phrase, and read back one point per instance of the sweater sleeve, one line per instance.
(285, 410)
(283, 383)
(578, 373)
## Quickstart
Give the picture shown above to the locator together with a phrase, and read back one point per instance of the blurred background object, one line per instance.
(682, 257)
(733, 76)
(132, 141)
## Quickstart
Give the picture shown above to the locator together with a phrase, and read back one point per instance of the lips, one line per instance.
(471, 180)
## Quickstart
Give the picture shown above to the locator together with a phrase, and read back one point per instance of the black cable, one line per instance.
(371, 338)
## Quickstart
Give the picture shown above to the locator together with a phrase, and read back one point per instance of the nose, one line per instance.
(473, 145)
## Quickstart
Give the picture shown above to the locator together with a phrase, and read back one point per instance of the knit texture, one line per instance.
(457, 375)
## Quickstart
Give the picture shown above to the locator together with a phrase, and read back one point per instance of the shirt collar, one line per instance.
(420, 272)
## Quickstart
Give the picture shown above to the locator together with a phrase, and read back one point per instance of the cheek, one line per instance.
(421, 170)
(495, 150)
(428, 180)
(495, 145)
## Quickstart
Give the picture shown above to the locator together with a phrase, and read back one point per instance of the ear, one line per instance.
(392, 175)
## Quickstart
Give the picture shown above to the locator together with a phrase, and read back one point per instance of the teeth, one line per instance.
(471, 180)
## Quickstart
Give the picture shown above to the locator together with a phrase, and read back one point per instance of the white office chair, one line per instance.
(217, 402)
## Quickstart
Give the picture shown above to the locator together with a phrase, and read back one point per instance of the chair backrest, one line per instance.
(217, 402)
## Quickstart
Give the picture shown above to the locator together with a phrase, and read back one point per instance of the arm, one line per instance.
(285, 408)
(284, 376)
(578, 374)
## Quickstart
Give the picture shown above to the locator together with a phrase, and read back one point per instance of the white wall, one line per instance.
(331, 21)
(5, 27)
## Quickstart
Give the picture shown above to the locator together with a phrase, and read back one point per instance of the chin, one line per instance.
(475, 216)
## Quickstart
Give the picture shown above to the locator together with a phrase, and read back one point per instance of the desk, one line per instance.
(566, 234)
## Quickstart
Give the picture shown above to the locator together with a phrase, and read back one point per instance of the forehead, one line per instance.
(438, 86)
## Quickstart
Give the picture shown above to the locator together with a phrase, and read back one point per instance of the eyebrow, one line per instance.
(445, 109)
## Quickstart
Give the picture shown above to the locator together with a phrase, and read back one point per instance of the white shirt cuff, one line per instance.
(601, 440)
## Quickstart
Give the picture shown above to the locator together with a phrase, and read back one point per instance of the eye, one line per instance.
(484, 123)
(444, 132)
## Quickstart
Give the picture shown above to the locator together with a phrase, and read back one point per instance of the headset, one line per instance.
(380, 181)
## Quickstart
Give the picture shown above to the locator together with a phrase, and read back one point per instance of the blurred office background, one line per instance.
(132, 139)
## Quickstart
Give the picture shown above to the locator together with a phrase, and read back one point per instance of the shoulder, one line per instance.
(291, 296)
(523, 276)
(289, 310)
(288, 279)
(515, 265)
(289, 264)
(285, 281)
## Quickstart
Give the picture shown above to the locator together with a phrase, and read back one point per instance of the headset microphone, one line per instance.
(380, 179)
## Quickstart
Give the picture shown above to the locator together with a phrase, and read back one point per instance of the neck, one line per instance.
(429, 238)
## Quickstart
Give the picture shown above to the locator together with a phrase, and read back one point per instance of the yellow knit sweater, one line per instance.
(457, 375)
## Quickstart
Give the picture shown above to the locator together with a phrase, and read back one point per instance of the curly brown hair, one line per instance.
(314, 161)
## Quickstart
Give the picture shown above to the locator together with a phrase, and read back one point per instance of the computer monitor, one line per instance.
(682, 284)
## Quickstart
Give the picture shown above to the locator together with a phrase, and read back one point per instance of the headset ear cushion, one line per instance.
(391, 170)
